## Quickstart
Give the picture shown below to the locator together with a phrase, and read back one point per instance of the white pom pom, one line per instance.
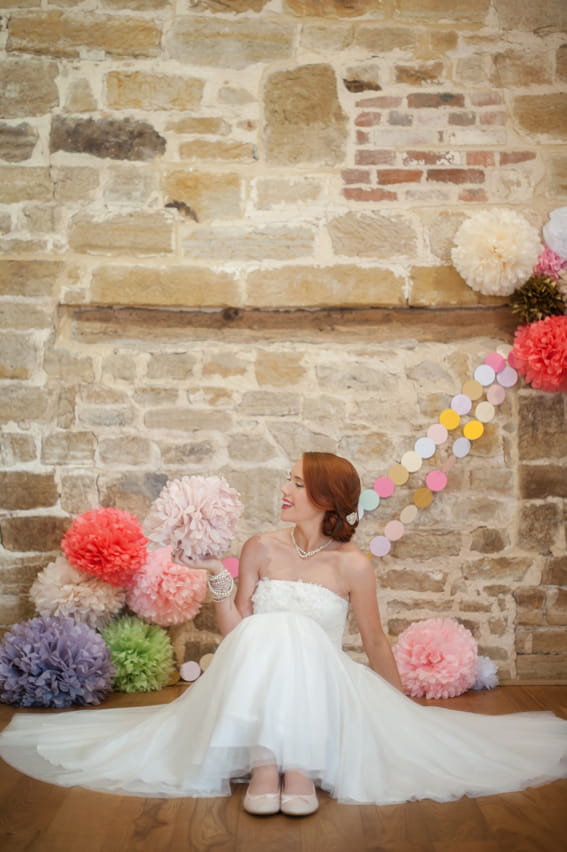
(495, 251)
(486, 674)
(555, 231)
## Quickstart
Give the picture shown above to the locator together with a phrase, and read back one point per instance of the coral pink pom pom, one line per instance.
(540, 353)
(166, 593)
(436, 658)
(108, 543)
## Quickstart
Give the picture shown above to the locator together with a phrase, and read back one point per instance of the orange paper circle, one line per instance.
(473, 430)
(423, 498)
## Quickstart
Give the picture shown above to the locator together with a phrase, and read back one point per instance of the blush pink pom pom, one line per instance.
(166, 593)
(436, 658)
(199, 514)
(550, 263)
(108, 543)
(540, 353)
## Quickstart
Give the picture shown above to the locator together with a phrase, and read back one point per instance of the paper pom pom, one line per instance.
(108, 543)
(549, 263)
(538, 298)
(540, 354)
(555, 231)
(166, 593)
(436, 658)
(198, 514)
(495, 251)
(54, 662)
(486, 674)
(62, 590)
(142, 654)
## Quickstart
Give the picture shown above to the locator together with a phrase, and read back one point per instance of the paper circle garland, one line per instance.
(394, 530)
(473, 389)
(190, 671)
(508, 377)
(408, 514)
(369, 499)
(412, 461)
(461, 447)
(484, 375)
(484, 412)
(398, 474)
(384, 486)
(425, 447)
(422, 498)
(496, 394)
(436, 480)
(438, 433)
(380, 545)
(461, 403)
(473, 430)
(449, 419)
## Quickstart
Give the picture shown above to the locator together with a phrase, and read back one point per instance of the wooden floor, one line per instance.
(42, 818)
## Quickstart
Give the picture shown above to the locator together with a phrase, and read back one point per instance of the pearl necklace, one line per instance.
(305, 554)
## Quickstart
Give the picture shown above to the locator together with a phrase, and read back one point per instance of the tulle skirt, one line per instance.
(278, 690)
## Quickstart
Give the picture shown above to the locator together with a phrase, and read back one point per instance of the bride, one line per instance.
(282, 704)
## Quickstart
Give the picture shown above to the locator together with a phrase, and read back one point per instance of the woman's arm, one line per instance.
(365, 607)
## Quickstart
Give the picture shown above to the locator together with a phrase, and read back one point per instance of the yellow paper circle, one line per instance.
(408, 514)
(422, 498)
(473, 430)
(473, 389)
(398, 474)
(449, 419)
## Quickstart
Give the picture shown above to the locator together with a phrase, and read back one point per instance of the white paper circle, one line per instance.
(461, 403)
(484, 375)
(411, 461)
(485, 412)
(461, 447)
(409, 514)
(425, 448)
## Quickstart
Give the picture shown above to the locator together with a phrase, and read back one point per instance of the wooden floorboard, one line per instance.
(38, 817)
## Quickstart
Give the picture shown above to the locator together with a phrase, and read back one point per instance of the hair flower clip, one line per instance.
(352, 518)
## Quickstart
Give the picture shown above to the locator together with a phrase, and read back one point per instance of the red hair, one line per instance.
(332, 484)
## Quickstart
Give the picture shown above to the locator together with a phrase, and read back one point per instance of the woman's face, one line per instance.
(296, 505)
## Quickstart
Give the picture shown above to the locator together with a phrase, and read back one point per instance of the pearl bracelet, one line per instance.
(220, 585)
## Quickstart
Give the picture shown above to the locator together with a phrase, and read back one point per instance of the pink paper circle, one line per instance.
(436, 480)
(394, 530)
(496, 361)
(461, 403)
(383, 486)
(380, 545)
(190, 670)
(496, 394)
(231, 563)
(438, 433)
(507, 378)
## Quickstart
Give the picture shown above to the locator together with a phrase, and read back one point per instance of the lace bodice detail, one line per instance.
(317, 602)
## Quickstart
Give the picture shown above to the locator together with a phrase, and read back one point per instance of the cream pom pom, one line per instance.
(495, 251)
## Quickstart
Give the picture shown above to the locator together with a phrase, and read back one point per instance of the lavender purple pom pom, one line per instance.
(52, 661)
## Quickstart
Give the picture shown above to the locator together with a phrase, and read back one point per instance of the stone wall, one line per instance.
(226, 233)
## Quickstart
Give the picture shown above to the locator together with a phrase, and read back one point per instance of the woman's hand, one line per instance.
(208, 563)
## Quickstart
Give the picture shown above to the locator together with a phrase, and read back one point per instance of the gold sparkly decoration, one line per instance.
(538, 298)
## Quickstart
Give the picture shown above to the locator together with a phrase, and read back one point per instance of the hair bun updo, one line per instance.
(333, 484)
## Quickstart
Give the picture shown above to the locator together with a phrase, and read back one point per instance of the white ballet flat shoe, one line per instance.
(295, 805)
(263, 804)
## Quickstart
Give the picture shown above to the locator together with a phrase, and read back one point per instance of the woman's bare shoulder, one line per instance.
(356, 567)
(262, 542)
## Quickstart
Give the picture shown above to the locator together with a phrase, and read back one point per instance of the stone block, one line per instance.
(533, 17)
(182, 455)
(269, 404)
(67, 447)
(120, 366)
(250, 449)
(443, 286)
(25, 183)
(171, 286)
(74, 183)
(224, 365)
(79, 97)
(445, 10)
(304, 121)
(541, 666)
(417, 581)
(515, 69)
(555, 571)
(512, 568)
(186, 420)
(106, 415)
(294, 438)
(273, 192)
(29, 278)
(280, 368)
(132, 184)
(542, 114)
(41, 533)
(27, 87)
(556, 606)
(207, 125)
(259, 243)
(426, 545)
(325, 37)
(154, 92)
(25, 490)
(541, 481)
(110, 138)
(229, 150)
(373, 235)
(17, 141)
(335, 8)
(127, 234)
(79, 492)
(18, 356)
(150, 397)
(125, 450)
(530, 605)
(561, 62)
(542, 429)
(171, 365)
(557, 177)
(487, 540)
(204, 196)
(539, 526)
(16, 448)
(23, 404)
(341, 285)
(205, 41)
(57, 33)
(553, 641)
(379, 39)
(62, 364)
(133, 492)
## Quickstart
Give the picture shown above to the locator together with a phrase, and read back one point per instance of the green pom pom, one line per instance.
(538, 298)
(141, 653)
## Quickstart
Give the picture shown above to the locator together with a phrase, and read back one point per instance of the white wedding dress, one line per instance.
(280, 689)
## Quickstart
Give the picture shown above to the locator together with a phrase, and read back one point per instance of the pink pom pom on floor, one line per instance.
(436, 658)
(166, 593)
(108, 543)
